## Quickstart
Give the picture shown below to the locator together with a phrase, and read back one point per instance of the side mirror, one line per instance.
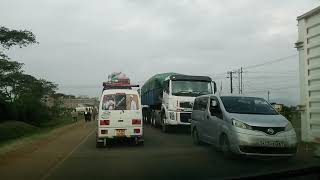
(214, 103)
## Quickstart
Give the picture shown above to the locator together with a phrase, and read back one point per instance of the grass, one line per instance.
(15, 129)
(16, 132)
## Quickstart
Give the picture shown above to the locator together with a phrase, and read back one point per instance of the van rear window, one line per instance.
(120, 102)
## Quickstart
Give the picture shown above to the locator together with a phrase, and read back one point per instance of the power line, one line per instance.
(274, 89)
(264, 63)
(273, 83)
(269, 77)
(271, 61)
(270, 72)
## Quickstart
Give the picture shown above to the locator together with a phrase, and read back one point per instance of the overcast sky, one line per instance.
(81, 42)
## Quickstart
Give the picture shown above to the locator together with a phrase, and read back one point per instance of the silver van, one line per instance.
(242, 125)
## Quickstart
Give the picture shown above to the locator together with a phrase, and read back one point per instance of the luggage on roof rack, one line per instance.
(118, 80)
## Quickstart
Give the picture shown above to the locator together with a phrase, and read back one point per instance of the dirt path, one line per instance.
(45, 153)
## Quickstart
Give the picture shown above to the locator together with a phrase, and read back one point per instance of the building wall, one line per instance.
(308, 46)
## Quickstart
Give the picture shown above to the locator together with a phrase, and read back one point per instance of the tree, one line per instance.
(21, 94)
(9, 70)
(11, 37)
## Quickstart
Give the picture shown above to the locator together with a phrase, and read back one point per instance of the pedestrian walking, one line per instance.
(90, 113)
(94, 113)
(74, 115)
(87, 115)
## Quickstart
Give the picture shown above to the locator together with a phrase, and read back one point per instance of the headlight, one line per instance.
(240, 124)
(288, 127)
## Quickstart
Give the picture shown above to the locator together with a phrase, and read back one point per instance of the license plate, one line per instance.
(271, 143)
(120, 132)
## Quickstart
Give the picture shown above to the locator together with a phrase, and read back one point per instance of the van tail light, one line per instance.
(136, 121)
(136, 131)
(104, 122)
(104, 131)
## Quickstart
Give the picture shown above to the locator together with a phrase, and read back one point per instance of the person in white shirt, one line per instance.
(133, 104)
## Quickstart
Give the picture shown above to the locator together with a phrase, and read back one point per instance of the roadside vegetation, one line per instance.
(23, 106)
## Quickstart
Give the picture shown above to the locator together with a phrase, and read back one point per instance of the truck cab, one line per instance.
(179, 93)
(169, 98)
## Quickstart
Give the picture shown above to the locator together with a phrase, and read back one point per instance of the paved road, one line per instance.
(164, 156)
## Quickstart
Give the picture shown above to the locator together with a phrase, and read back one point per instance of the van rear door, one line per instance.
(122, 110)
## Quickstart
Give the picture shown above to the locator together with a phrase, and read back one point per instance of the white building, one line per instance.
(308, 46)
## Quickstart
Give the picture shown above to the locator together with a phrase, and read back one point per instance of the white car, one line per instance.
(243, 125)
(120, 116)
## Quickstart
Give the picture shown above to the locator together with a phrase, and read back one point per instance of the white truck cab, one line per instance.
(120, 116)
(178, 98)
(169, 98)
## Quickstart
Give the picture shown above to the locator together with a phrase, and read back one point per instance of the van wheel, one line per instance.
(140, 143)
(225, 146)
(195, 137)
(99, 145)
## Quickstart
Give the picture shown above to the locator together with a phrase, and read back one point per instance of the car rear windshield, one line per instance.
(120, 102)
(247, 105)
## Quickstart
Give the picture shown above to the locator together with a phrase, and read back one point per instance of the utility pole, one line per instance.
(231, 77)
(268, 96)
(241, 84)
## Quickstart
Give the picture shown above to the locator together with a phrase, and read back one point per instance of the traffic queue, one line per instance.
(234, 124)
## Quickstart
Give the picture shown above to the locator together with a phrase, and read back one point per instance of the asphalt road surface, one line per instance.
(163, 156)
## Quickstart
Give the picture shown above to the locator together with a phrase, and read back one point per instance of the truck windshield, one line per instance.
(191, 88)
(247, 105)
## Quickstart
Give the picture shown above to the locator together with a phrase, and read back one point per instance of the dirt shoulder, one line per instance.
(33, 157)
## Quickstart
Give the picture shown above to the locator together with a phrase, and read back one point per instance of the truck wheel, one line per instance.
(165, 128)
(151, 119)
(154, 123)
(148, 117)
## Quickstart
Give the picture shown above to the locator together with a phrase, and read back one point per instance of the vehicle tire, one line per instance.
(140, 143)
(164, 127)
(195, 137)
(99, 144)
(225, 146)
(148, 117)
(153, 121)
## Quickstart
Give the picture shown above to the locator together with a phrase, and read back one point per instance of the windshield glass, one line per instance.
(120, 102)
(247, 105)
(191, 88)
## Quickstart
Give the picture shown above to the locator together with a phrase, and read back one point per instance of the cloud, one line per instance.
(83, 41)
